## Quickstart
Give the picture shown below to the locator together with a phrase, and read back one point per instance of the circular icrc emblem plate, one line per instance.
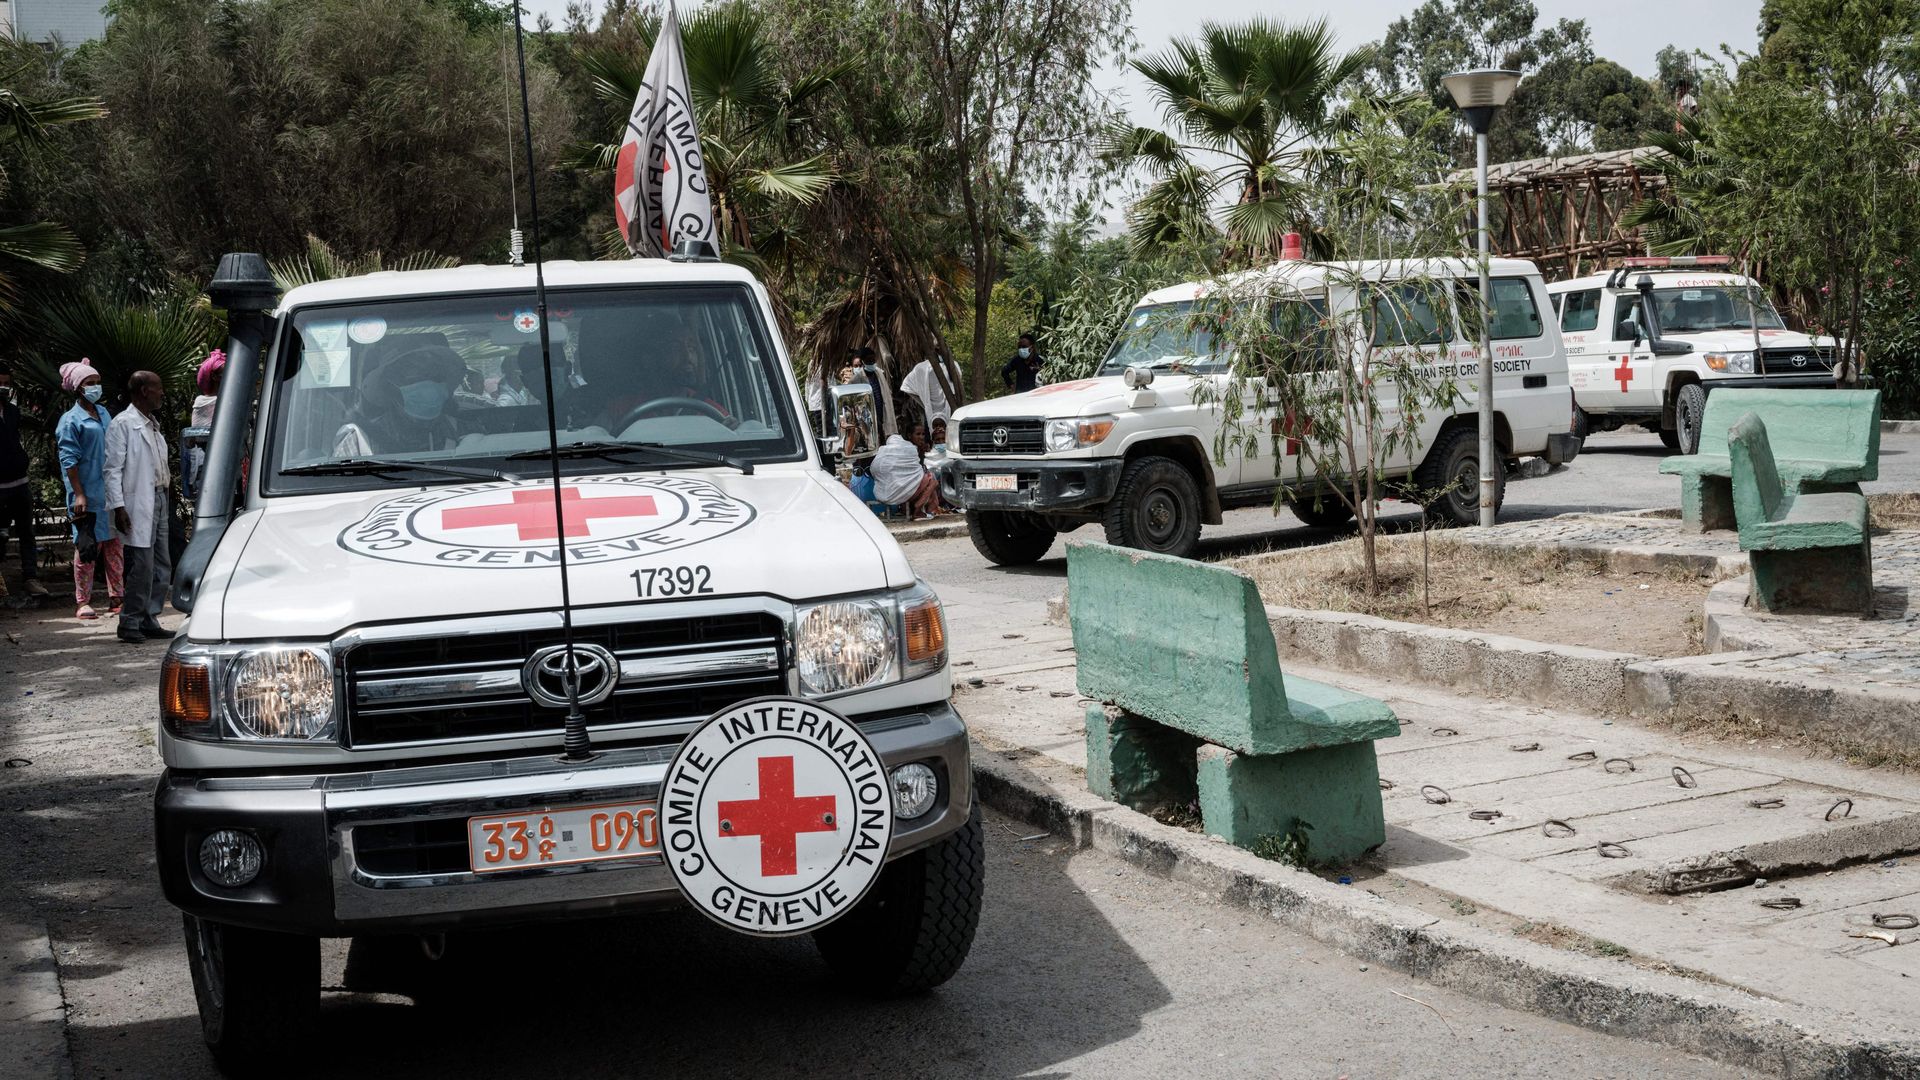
(776, 816)
(509, 526)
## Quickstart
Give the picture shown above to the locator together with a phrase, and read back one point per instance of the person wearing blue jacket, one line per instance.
(81, 436)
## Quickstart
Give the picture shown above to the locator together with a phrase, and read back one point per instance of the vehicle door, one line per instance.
(1629, 379)
(1589, 341)
(1269, 449)
(1529, 383)
(1412, 322)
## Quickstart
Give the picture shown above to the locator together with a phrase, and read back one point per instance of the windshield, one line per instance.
(457, 381)
(1163, 335)
(1711, 307)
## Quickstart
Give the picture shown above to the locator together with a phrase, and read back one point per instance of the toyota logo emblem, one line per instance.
(1799, 360)
(999, 436)
(545, 675)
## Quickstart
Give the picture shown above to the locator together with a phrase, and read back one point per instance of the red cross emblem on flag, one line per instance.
(777, 817)
(531, 513)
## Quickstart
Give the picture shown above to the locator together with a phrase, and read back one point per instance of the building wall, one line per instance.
(72, 21)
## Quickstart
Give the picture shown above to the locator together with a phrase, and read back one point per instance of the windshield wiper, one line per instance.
(377, 466)
(614, 451)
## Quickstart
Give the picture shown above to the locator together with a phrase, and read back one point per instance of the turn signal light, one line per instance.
(186, 697)
(926, 632)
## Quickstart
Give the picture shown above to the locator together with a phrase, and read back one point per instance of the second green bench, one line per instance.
(1823, 440)
(1806, 551)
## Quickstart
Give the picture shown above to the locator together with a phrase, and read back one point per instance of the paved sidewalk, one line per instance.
(1017, 691)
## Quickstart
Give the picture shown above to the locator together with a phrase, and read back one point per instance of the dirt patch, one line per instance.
(1896, 510)
(1541, 594)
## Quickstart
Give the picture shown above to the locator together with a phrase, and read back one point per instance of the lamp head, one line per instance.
(1479, 93)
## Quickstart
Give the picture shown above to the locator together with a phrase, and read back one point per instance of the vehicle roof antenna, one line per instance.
(515, 243)
(577, 743)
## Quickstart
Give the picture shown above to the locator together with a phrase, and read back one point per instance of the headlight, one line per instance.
(277, 693)
(1738, 363)
(856, 644)
(1073, 434)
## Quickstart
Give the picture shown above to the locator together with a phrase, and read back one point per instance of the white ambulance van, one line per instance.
(1137, 454)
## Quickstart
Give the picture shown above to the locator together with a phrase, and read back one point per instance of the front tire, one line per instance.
(1688, 411)
(1009, 538)
(913, 929)
(258, 993)
(1453, 463)
(1156, 508)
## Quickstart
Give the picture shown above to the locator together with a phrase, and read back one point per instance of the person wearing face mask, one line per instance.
(136, 481)
(1021, 372)
(81, 437)
(406, 405)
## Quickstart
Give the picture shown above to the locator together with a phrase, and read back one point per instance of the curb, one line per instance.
(1899, 427)
(33, 1011)
(1722, 1023)
(937, 531)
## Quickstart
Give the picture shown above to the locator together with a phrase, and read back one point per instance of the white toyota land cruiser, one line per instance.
(1141, 460)
(362, 721)
(1648, 350)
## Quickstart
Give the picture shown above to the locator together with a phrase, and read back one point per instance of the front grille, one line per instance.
(1781, 361)
(467, 686)
(1021, 437)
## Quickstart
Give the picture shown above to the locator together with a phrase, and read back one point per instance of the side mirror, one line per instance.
(856, 421)
(1627, 328)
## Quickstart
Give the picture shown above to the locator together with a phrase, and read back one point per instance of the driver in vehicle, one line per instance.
(663, 380)
(403, 406)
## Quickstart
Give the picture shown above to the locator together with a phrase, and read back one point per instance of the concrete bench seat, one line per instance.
(1823, 440)
(1807, 551)
(1195, 708)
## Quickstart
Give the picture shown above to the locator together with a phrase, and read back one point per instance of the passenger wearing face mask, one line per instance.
(1021, 372)
(406, 406)
(81, 436)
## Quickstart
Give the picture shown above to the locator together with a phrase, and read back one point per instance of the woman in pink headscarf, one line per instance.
(81, 436)
(208, 380)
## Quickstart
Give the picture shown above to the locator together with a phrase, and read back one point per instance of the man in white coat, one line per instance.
(137, 479)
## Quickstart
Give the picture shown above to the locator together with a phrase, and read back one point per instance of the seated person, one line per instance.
(900, 479)
(670, 370)
(513, 388)
(403, 406)
(472, 392)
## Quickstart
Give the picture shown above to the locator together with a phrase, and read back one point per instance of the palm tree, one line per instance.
(753, 122)
(1695, 181)
(45, 244)
(321, 263)
(1244, 104)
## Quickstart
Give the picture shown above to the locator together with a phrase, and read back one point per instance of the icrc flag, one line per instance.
(659, 180)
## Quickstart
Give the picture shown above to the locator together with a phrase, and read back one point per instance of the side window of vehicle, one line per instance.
(1300, 335)
(1627, 318)
(1515, 315)
(1580, 310)
(1409, 313)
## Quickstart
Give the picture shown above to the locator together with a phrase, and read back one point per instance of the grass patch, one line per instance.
(1895, 510)
(1559, 937)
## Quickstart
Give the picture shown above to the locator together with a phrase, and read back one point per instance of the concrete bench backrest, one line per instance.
(1816, 425)
(1757, 490)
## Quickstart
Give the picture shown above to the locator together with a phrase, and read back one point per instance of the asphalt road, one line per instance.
(1618, 470)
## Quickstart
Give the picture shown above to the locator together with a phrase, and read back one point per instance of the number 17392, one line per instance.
(672, 581)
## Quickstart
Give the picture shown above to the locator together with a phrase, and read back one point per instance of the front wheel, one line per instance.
(1156, 508)
(1452, 467)
(1009, 537)
(1688, 411)
(913, 930)
(258, 993)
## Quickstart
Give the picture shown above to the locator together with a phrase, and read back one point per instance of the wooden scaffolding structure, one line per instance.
(1564, 212)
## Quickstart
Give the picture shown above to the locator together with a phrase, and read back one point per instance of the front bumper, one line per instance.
(1562, 448)
(314, 883)
(1042, 484)
(1822, 381)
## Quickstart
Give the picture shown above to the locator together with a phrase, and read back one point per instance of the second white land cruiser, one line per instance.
(1647, 342)
(1141, 460)
(365, 720)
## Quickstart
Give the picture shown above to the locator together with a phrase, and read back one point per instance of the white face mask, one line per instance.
(1026, 353)
(92, 393)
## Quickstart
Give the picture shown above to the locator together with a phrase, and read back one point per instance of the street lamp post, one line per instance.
(1479, 95)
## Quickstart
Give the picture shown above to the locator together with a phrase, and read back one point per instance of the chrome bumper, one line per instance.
(313, 882)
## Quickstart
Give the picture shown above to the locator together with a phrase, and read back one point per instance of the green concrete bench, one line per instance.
(1197, 708)
(1805, 550)
(1823, 441)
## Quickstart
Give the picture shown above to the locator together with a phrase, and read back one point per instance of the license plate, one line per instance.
(996, 482)
(558, 837)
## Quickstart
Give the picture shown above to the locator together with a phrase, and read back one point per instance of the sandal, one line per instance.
(86, 613)
(113, 605)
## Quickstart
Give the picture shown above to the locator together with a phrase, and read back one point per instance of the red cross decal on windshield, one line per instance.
(1624, 373)
(532, 512)
(777, 817)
